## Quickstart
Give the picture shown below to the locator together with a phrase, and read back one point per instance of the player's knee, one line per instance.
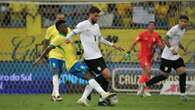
(181, 70)
(147, 70)
(106, 74)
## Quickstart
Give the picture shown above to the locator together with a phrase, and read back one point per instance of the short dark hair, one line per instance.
(58, 23)
(184, 17)
(94, 10)
(59, 14)
(152, 22)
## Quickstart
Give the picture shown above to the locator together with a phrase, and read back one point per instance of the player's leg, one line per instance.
(84, 98)
(80, 70)
(104, 84)
(106, 74)
(146, 65)
(165, 69)
(103, 80)
(146, 69)
(93, 84)
(56, 68)
(99, 67)
(145, 76)
(181, 71)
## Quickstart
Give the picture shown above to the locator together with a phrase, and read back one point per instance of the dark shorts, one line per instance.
(167, 65)
(96, 65)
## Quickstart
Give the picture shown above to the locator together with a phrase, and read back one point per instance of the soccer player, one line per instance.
(91, 37)
(51, 31)
(57, 60)
(56, 57)
(170, 58)
(147, 40)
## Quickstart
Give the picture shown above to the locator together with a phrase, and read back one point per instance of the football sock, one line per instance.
(182, 82)
(103, 82)
(155, 80)
(93, 83)
(87, 91)
(55, 82)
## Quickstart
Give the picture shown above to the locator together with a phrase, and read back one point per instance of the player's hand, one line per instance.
(174, 52)
(132, 52)
(186, 51)
(38, 61)
(67, 41)
(118, 48)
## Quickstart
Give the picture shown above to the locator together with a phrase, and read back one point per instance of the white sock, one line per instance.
(182, 94)
(55, 82)
(87, 91)
(100, 99)
(94, 84)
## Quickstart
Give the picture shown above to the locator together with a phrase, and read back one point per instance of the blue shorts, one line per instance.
(79, 69)
(57, 66)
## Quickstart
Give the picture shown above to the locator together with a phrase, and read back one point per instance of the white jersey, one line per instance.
(175, 34)
(90, 37)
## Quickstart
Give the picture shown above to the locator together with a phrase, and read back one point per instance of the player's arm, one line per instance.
(182, 47)
(166, 41)
(108, 43)
(132, 47)
(70, 35)
(160, 42)
(56, 42)
(168, 37)
(48, 36)
(45, 43)
(79, 28)
(43, 54)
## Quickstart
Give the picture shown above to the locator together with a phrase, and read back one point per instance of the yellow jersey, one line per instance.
(62, 51)
(59, 51)
(51, 33)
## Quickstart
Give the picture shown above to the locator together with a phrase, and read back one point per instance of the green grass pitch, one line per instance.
(126, 102)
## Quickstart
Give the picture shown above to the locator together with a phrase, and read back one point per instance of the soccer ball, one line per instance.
(113, 100)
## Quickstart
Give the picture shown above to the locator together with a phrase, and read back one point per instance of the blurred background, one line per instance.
(23, 25)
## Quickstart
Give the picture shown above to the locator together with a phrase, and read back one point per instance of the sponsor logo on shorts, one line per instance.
(166, 68)
(53, 64)
(99, 68)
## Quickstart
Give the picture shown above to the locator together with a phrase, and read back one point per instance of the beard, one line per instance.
(93, 21)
